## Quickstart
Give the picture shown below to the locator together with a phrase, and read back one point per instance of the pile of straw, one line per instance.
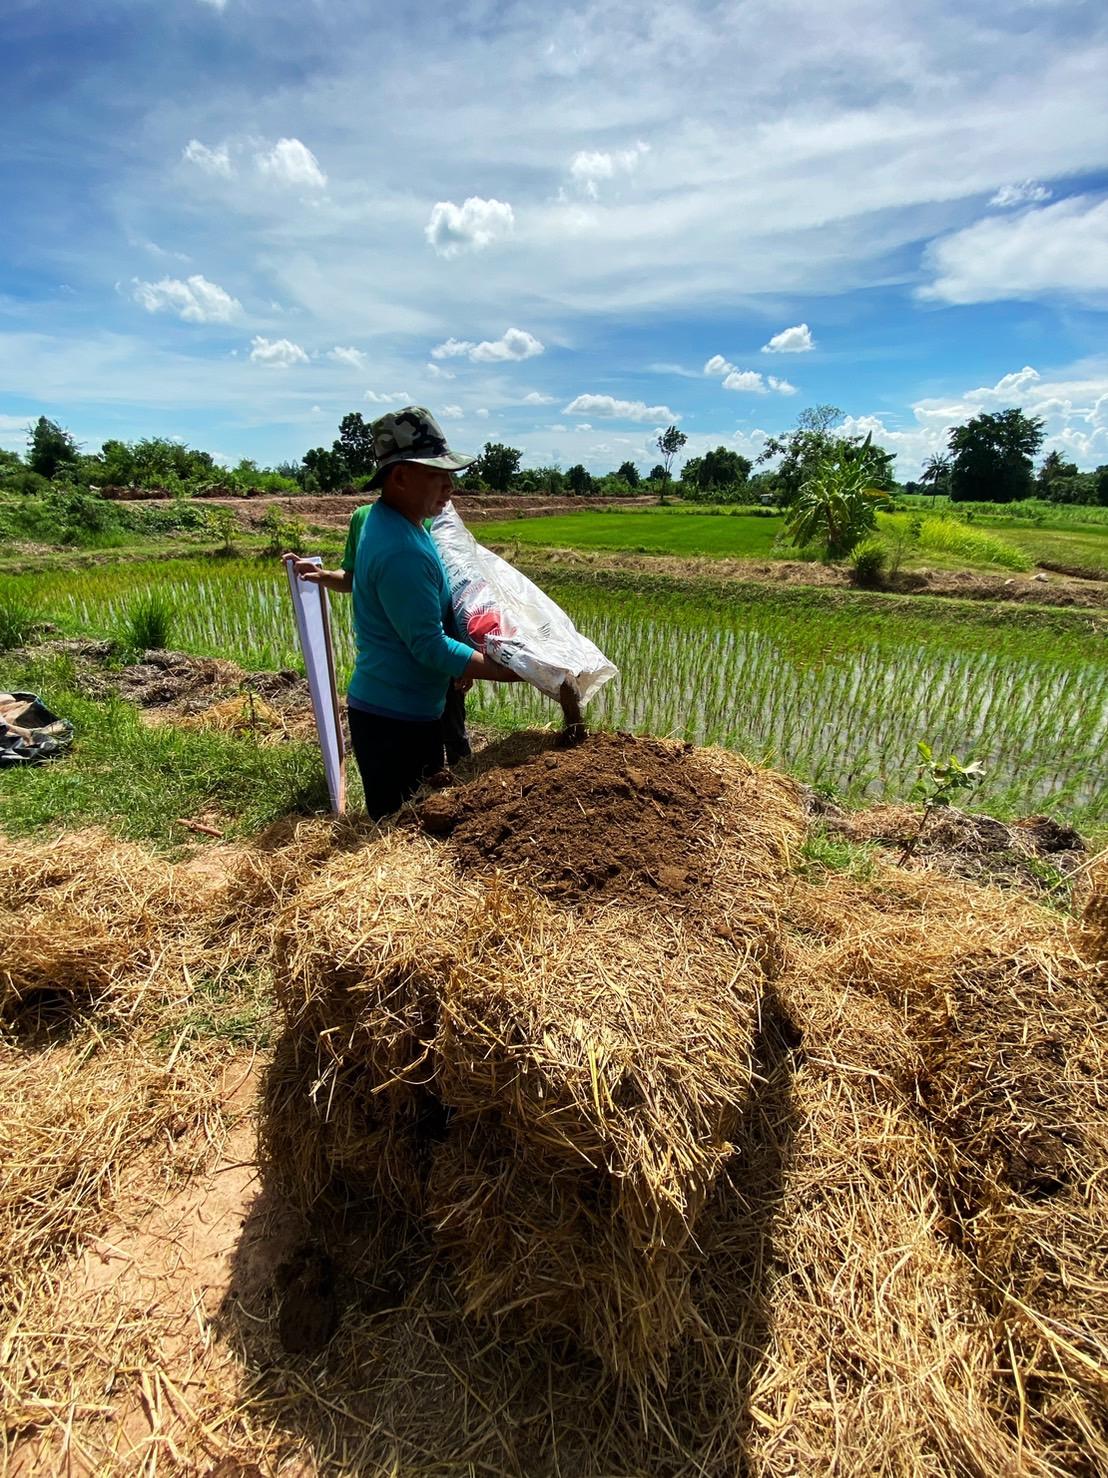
(565, 1085)
(795, 1177)
(85, 914)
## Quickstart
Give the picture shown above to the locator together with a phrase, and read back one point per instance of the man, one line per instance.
(342, 582)
(405, 659)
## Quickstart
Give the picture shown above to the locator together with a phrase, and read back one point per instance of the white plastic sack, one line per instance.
(501, 613)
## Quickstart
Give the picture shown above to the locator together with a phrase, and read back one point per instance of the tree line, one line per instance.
(991, 458)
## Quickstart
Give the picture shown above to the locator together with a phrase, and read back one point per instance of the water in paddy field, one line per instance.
(849, 720)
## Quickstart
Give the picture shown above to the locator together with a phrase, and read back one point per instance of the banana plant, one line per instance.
(837, 505)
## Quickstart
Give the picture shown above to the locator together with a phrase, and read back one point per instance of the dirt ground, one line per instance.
(1038, 589)
(617, 815)
(333, 510)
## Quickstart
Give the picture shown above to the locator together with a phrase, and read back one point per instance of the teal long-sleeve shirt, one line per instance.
(401, 599)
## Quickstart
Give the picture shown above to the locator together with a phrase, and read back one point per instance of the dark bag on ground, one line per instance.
(29, 732)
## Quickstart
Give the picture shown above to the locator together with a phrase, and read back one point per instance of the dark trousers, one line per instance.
(454, 726)
(394, 757)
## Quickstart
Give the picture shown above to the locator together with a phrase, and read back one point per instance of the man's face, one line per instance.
(431, 488)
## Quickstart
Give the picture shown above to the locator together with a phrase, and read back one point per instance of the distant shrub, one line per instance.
(223, 523)
(23, 480)
(867, 565)
(285, 535)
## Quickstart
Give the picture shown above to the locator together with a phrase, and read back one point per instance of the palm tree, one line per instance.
(936, 472)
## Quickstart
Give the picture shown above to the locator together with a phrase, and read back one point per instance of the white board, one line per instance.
(313, 625)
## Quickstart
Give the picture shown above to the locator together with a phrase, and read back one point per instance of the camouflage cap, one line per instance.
(412, 435)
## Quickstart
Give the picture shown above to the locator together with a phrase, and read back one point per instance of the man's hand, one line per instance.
(338, 580)
(462, 684)
(304, 569)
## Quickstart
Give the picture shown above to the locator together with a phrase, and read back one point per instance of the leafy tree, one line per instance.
(579, 480)
(811, 444)
(1074, 487)
(837, 504)
(497, 465)
(629, 474)
(549, 479)
(325, 470)
(1100, 481)
(718, 475)
(993, 457)
(669, 443)
(1054, 469)
(50, 448)
(657, 473)
(355, 445)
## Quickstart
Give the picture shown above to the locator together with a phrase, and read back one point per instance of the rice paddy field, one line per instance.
(833, 686)
(935, 537)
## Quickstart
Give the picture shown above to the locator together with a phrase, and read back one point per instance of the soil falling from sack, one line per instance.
(573, 731)
(614, 817)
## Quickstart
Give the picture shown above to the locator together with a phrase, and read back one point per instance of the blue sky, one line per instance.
(233, 221)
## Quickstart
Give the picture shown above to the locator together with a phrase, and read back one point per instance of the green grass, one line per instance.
(1075, 548)
(946, 539)
(721, 535)
(137, 779)
(822, 852)
(969, 544)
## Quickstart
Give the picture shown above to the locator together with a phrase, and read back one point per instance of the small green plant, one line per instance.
(17, 622)
(224, 525)
(867, 567)
(285, 535)
(150, 621)
(939, 781)
(824, 852)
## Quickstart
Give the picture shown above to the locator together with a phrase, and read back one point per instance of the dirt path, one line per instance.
(1039, 588)
(333, 510)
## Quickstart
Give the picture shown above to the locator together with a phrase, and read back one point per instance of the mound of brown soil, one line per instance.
(616, 817)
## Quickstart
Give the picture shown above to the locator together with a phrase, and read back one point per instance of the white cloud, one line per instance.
(717, 365)
(279, 353)
(781, 386)
(438, 373)
(353, 357)
(397, 397)
(588, 167)
(215, 161)
(196, 300)
(584, 426)
(452, 413)
(471, 226)
(482, 413)
(290, 162)
(534, 397)
(1028, 192)
(14, 431)
(1074, 411)
(749, 382)
(215, 4)
(797, 340)
(451, 349)
(513, 344)
(623, 410)
(1061, 249)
